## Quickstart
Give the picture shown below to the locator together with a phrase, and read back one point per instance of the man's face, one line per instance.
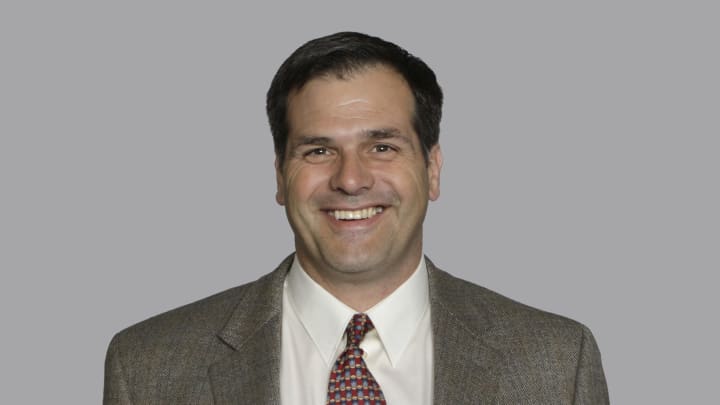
(354, 181)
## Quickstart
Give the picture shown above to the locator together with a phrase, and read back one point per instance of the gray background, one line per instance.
(581, 171)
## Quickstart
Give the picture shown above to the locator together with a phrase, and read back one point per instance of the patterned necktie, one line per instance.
(350, 380)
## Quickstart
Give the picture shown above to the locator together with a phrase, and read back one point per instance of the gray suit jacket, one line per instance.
(225, 349)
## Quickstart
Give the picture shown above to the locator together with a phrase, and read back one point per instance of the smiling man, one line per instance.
(357, 314)
(356, 180)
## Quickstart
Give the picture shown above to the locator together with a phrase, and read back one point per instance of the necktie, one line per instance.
(350, 380)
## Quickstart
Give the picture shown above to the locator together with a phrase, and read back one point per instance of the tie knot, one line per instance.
(359, 325)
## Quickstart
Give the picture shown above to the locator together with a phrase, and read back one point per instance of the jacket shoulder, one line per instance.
(209, 315)
(547, 358)
(166, 357)
(473, 304)
(206, 314)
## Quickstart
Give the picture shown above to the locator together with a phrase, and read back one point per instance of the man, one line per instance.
(357, 313)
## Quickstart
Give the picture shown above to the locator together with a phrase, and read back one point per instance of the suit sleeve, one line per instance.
(116, 390)
(590, 385)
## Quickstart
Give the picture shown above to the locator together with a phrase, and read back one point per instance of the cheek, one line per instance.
(301, 183)
(409, 186)
(416, 179)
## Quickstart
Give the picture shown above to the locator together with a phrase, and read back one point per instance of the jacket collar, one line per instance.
(251, 373)
(466, 368)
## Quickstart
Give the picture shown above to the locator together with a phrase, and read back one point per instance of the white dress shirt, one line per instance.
(398, 352)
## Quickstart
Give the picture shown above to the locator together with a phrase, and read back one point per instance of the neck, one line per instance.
(362, 290)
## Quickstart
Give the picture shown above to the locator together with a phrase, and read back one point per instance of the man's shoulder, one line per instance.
(206, 314)
(540, 357)
(167, 356)
(499, 316)
(203, 317)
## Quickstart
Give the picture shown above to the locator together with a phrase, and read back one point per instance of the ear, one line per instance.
(280, 193)
(435, 161)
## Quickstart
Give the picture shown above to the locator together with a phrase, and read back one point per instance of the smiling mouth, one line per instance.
(354, 215)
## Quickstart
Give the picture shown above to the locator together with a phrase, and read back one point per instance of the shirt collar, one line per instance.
(324, 317)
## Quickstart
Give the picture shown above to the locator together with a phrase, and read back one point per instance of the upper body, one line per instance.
(487, 349)
(355, 122)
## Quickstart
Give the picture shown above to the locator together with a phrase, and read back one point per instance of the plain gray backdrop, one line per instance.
(581, 170)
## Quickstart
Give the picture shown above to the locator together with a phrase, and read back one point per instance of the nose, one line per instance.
(351, 175)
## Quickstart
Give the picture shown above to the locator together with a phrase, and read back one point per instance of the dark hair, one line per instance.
(345, 53)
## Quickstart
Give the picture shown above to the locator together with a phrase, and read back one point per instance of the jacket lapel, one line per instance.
(466, 368)
(251, 374)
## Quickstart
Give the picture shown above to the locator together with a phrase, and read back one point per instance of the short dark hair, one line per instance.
(345, 53)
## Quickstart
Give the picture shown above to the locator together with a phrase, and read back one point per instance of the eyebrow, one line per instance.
(390, 133)
(387, 133)
(377, 134)
(312, 140)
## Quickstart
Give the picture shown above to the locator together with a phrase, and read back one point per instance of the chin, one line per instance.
(353, 262)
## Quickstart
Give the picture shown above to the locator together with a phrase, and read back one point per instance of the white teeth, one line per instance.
(357, 214)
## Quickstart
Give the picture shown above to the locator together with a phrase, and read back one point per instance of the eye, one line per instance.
(317, 152)
(382, 148)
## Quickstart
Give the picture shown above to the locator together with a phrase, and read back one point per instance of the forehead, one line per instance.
(375, 97)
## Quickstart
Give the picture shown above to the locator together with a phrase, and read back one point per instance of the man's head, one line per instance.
(353, 173)
(340, 55)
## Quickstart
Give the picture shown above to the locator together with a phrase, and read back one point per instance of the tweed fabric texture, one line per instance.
(350, 380)
(225, 349)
